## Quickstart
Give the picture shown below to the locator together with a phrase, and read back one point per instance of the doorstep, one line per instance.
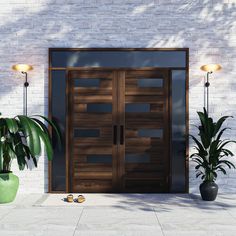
(109, 200)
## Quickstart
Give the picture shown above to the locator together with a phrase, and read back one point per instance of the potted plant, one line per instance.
(21, 138)
(211, 155)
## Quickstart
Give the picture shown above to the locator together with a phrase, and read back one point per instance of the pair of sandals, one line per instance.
(79, 199)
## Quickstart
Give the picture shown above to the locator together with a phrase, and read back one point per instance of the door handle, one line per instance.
(121, 134)
(115, 134)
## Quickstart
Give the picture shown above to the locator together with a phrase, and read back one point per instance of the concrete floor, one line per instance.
(119, 214)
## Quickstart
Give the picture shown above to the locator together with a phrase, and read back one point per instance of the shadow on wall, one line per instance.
(203, 26)
(206, 27)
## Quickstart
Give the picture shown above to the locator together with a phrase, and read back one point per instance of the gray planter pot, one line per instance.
(208, 191)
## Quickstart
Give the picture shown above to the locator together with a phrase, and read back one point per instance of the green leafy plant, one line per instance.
(211, 155)
(21, 138)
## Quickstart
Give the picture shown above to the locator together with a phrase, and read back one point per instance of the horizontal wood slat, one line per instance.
(92, 141)
(92, 186)
(145, 99)
(137, 167)
(144, 142)
(87, 125)
(144, 91)
(92, 175)
(144, 175)
(96, 167)
(143, 73)
(144, 149)
(144, 115)
(91, 91)
(79, 150)
(146, 186)
(90, 74)
(157, 107)
(143, 123)
(91, 115)
(92, 99)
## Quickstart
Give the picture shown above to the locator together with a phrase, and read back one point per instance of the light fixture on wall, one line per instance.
(24, 68)
(209, 68)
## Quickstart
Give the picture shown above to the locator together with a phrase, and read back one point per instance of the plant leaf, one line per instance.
(54, 126)
(11, 125)
(1, 156)
(220, 133)
(219, 124)
(31, 133)
(47, 142)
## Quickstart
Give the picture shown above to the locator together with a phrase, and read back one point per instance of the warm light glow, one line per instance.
(22, 67)
(211, 67)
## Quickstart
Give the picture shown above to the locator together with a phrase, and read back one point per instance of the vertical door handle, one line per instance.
(115, 134)
(121, 134)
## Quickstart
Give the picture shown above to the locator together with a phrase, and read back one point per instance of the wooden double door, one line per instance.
(118, 130)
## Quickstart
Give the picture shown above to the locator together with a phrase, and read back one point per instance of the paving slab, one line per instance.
(41, 220)
(119, 214)
(38, 232)
(110, 218)
(199, 233)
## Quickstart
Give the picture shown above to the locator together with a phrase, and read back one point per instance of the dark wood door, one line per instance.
(118, 128)
(92, 124)
(144, 121)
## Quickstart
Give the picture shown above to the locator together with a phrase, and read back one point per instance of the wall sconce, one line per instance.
(24, 68)
(209, 68)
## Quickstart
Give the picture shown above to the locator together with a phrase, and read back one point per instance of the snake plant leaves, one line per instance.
(197, 160)
(227, 152)
(225, 143)
(211, 154)
(199, 145)
(220, 133)
(222, 170)
(219, 124)
(206, 129)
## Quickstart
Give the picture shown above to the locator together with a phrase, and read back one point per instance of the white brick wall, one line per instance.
(29, 27)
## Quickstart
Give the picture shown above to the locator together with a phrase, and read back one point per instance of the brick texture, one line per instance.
(29, 27)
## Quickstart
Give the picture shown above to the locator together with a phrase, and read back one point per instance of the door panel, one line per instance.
(92, 115)
(118, 130)
(145, 155)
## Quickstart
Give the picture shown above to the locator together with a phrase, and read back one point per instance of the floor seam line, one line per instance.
(158, 221)
(6, 214)
(230, 214)
(13, 208)
(40, 201)
(78, 221)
